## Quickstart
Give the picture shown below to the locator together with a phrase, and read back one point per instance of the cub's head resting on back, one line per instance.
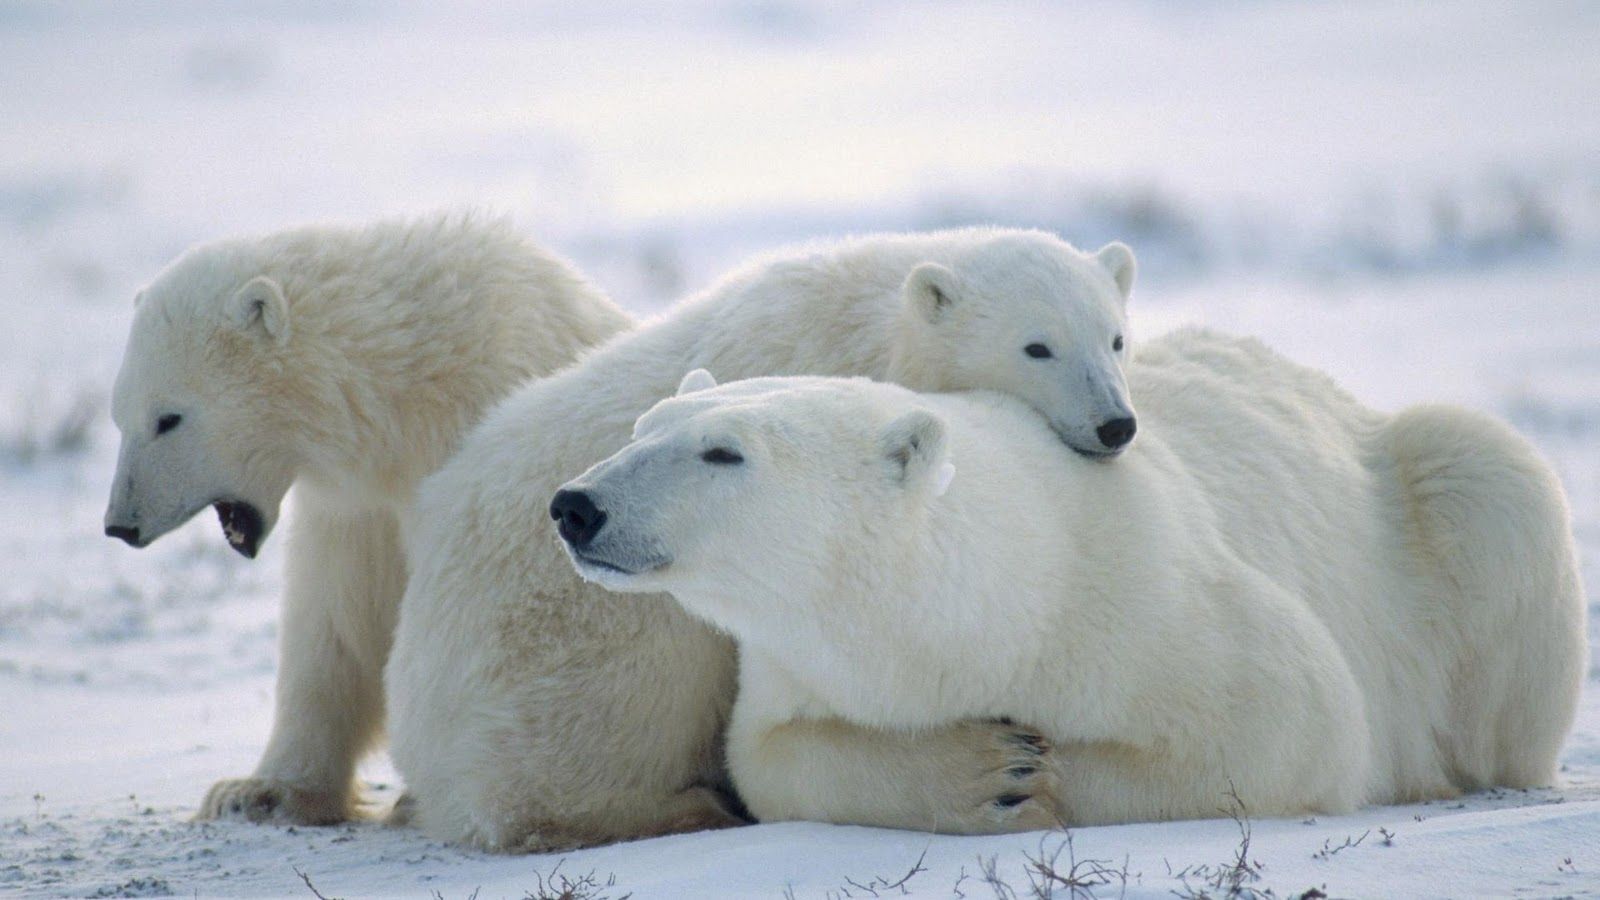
(741, 459)
(1026, 314)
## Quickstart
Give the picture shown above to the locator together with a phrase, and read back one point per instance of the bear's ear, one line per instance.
(695, 380)
(260, 305)
(914, 444)
(932, 292)
(1117, 258)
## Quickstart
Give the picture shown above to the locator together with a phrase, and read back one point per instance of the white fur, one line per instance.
(529, 711)
(346, 362)
(1281, 591)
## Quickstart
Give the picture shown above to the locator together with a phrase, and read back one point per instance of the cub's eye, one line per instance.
(168, 422)
(722, 456)
(1038, 351)
(1116, 344)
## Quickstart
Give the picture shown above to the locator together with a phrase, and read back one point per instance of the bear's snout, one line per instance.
(578, 517)
(124, 533)
(1116, 433)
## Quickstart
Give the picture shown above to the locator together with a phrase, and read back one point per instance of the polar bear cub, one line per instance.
(347, 363)
(900, 561)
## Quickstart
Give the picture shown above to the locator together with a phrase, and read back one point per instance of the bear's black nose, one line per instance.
(580, 520)
(1116, 433)
(124, 533)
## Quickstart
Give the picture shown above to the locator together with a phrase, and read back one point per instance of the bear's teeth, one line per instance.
(229, 518)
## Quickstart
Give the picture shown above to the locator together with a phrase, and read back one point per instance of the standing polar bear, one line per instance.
(1358, 607)
(347, 362)
(530, 711)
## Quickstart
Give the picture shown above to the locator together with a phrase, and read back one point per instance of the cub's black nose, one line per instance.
(124, 533)
(580, 520)
(1116, 433)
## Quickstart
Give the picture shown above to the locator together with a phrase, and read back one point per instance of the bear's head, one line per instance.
(752, 487)
(1026, 314)
(203, 402)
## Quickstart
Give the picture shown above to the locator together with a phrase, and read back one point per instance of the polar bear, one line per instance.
(346, 362)
(1297, 598)
(531, 712)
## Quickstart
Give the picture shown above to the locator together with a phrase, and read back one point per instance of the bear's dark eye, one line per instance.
(1038, 351)
(168, 422)
(1116, 344)
(722, 456)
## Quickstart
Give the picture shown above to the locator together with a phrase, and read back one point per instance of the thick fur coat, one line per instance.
(346, 363)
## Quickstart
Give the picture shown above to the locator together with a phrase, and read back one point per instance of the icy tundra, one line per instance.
(1407, 198)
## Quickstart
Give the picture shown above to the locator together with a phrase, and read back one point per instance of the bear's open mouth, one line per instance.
(241, 525)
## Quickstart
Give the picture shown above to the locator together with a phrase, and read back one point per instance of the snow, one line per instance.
(1407, 197)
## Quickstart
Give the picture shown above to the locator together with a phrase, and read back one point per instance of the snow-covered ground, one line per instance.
(1406, 197)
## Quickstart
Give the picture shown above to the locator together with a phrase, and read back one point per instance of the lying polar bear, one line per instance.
(1284, 591)
(529, 711)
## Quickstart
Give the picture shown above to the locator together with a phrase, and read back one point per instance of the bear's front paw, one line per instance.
(271, 802)
(1016, 785)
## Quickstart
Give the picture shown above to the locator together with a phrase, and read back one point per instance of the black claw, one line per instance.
(1021, 771)
(1006, 801)
(1030, 743)
(235, 806)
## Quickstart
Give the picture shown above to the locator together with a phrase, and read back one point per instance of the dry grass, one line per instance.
(1329, 848)
(1230, 879)
(559, 886)
(312, 887)
(876, 886)
(555, 885)
(1050, 876)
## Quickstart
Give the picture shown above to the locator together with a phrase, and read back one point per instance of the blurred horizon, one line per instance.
(1322, 138)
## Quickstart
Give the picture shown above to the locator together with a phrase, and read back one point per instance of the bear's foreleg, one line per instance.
(981, 776)
(978, 776)
(344, 578)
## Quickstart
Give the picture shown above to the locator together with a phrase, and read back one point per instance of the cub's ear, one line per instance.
(260, 305)
(932, 292)
(1117, 258)
(914, 445)
(695, 380)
